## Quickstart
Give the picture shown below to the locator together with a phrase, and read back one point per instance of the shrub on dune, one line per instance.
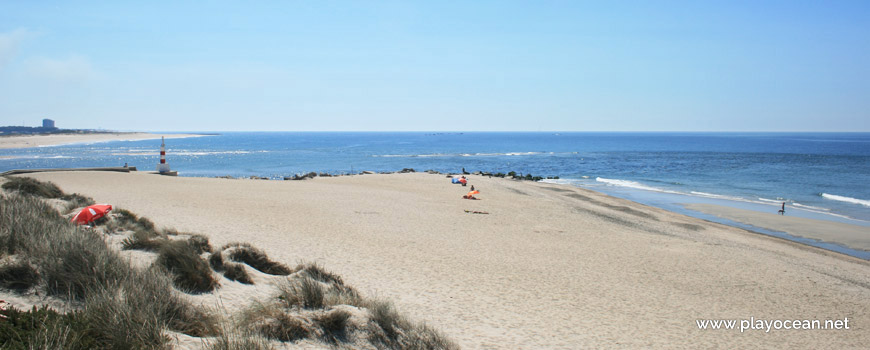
(78, 260)
(199, 243)
(238, 339)
(18, 276)
(256, 258)
(274, 322)
(32, 187)
(318, 273)
(142, 240)
(231, 270)
(76, 200)
(304, 292)
(333, 326)
(191, 273)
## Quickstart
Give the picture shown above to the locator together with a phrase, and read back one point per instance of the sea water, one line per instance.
(820, 175)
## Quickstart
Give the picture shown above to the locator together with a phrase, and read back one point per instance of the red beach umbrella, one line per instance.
(91, 213)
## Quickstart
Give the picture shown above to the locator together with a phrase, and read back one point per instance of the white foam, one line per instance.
(809, 207)
(458, 155)
(633, 184)
(717, 196)
(777, 201)
(834, 197)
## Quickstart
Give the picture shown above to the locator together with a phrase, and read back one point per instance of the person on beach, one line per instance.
(782, 211)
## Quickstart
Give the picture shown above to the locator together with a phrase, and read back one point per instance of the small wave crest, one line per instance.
(182, 153)
(632, 184)
(717, 196)
(509, 154)
(834, 197)
(796, 204)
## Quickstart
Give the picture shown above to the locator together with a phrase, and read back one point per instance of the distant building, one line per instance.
(48, 123)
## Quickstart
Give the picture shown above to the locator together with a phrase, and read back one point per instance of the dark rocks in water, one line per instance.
(310, 175)
(407, 170)
(430, 171)
(367, 172)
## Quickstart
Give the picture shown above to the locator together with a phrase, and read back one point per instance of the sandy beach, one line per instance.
(853, 236)
(547, 267)
(26, 141)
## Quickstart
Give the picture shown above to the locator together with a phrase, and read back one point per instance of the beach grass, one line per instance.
(26, 185)
(256, 258)
(116, 306)
(191, 273)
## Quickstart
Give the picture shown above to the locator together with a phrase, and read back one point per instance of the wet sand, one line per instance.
(852, 236)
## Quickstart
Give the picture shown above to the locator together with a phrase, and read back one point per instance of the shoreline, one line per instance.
(548, 266)
(847, 235)
(30, 141)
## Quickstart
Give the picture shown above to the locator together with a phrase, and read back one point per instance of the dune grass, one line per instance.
(19, 276)
(319, 300)
(44, 328)
(256, 258)
(231, 270)
(191, 273)
(124, 220)
(333, 326)
(121, 307)
(26, 185)
(76, 200)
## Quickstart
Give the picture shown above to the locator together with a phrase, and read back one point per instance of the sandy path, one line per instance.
(550, 267)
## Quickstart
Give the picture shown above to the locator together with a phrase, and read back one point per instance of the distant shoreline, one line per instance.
(30, 141)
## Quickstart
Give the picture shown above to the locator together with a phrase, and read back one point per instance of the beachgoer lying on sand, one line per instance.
(470, 197)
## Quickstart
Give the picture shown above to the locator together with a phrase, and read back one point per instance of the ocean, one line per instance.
(818, 175)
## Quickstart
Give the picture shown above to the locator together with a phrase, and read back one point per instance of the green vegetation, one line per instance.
(117, 306)
(19, 276)
(76, 200)
(44, 328)
(26, 185)
(190, 271)
(245, 253)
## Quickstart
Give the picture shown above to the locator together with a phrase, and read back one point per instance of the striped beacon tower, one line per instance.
(163, 167)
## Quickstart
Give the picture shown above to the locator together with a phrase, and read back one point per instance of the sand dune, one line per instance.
(550, 266)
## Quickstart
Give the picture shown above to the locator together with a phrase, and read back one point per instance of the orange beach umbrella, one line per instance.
(473, 193)
(91, 213)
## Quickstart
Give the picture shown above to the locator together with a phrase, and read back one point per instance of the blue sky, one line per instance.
(437, 65)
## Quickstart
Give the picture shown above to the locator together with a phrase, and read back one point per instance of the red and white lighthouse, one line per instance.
(163, 167)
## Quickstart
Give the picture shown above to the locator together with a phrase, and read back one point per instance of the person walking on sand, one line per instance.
(782, 211)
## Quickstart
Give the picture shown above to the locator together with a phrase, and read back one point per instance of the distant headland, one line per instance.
(47, 128)
(50, 135)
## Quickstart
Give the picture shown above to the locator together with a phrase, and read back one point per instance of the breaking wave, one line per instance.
(834, 197)
(633, 184)
(459, 155)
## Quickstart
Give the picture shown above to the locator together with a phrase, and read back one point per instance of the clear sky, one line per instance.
(437, 65)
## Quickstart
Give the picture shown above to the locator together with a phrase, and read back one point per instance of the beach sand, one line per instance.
(550, 266)
(27, 141)
(853, 236)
